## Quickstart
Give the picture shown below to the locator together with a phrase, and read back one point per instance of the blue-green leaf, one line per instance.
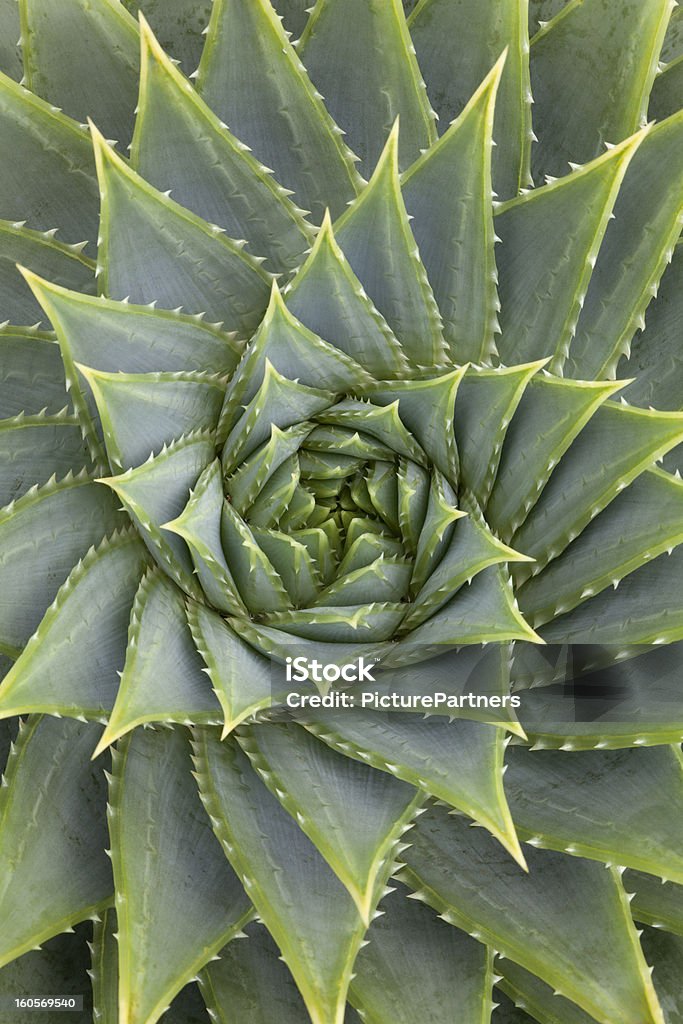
(386, 83)
(42, 536)
(544, 275)
(181, 145)
(538, 919)
(378, 222)
(68, 42)
(153, 250)
(448, 194)
(297, 901)
(70, 665)
(61, 841)
(592, 69)
(162, 679)
(454, 71)
(279, 114)
(177, 899)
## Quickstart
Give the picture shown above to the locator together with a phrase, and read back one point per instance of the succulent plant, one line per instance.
(400, 398)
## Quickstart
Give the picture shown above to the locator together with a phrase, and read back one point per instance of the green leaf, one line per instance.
(657, 902)
(70, 665)
(104, 969)
(365, 550)
(328, 297)
(453, 73)
(382, 487)
(633, 255)
(153, 250)
(274, 502)
(487, 400)
(527, 990)
(448, 194)
(116, 336)
(665, 97)
(646, 610)
(275, 499)
(33, 375)
(550, 415)
(366, 623)
(413, 483)
(592, 69)
(382, 580)
(42, 536)
(665, 953)
(359, 837)
(251, 982)
(242, 679)
(505, 1011)
(544, 275)
(459, 762)
(642, 522)
(141, 413)
(294, 14)
(672, 48)
(61, 841)
(180, 144)
(299, 899)
(162, 679)
(296, 353)
(246, 484)
(436, 531)
(541, 11)
(380, 422)
(537, 919)
(50, 179)
(439, 968)
(615, 447)
(199, 525)
(278, 401)
(156, 492)
(68, 42)
(34, 448)
(41, 252)
(260, 587)
(280, 115)
(623, 806)
(378, 222)
(472, 548)
(178, 26)
(486, 612)
(11, 62)
(293, 564)
(152, 794)
(386, 82)
(434, 433)
(655, 364)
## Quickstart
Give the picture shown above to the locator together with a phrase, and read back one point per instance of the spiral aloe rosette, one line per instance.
(359, 430)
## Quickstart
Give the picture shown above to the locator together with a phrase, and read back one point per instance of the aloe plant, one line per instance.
(340, 348)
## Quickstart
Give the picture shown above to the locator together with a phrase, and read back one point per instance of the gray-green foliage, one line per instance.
(315, 343)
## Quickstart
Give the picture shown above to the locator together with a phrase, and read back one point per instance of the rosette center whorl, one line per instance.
(331, 511)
